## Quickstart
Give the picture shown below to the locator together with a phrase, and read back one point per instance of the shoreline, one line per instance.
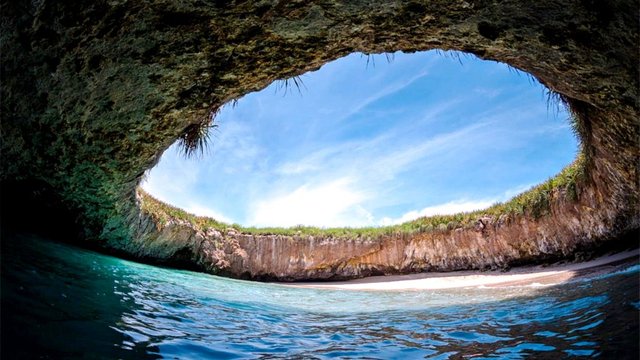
(521, 276)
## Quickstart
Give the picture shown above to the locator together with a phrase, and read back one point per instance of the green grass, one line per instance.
(535, 202)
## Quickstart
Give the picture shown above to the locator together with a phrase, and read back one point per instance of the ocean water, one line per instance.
(59, 301)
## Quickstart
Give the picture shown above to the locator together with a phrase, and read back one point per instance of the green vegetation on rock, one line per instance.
(535, 202)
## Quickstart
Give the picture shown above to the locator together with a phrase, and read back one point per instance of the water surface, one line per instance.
(59, 301)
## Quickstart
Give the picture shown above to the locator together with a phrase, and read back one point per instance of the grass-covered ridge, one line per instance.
(535, 202)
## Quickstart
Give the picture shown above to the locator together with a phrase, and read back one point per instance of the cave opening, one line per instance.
(373, 141)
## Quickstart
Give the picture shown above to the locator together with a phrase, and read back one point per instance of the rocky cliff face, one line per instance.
(491, 243)
(94, 92)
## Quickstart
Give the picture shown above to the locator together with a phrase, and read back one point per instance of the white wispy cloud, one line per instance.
(509, 193)
(386, 154)
(162, 181)
(455, 206)
(384, 92)
(300, 163)
(397, 161)
(334, 203)
(488, 93)
(239, 145)
(296, 168)
(365, 170)
(451, 207)
(332, 156)
(201, 210)
(339, 203)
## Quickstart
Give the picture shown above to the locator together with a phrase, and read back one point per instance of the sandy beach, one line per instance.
(521, 276)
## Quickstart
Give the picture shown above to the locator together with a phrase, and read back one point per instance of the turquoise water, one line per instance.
(62, 302)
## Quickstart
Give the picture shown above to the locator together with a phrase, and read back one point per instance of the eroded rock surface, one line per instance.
(94, 92)
(493, 243)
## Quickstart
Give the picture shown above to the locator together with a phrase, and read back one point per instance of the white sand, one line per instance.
(522, 276)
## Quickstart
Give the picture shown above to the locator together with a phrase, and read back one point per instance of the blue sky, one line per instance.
(364, 145)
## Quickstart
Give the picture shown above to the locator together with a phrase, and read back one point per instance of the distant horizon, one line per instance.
(373, 145)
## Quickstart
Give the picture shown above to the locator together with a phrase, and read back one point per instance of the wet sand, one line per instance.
(521, 276)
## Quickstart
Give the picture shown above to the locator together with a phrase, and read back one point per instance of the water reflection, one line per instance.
(69, 302)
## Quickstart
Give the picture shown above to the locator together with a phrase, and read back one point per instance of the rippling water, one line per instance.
(63, 302)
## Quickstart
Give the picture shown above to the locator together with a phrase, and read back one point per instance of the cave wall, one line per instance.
(93, 93)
